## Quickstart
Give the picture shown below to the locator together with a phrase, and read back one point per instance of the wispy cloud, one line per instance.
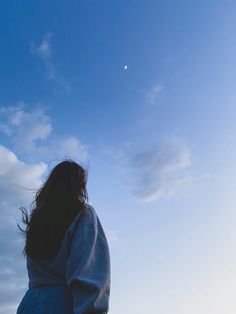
(25, 128)
(153, 94)
(160, 170)
(30, 131)
(44, 49)
(44, 52)
(113, 152)
(111, 236)
(65, 147)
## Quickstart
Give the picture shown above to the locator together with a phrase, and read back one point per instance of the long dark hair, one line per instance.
(57, 202)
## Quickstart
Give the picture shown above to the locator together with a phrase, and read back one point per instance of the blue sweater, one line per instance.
(77, 279)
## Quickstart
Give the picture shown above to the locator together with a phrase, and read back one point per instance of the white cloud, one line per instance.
(73, 147)
(153, 94)
(44, 52)
(65, 147)
(18, 182)
(31, 132)
(25, 128)
(16, 176)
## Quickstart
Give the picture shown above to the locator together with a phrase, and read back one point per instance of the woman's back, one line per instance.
(77, 279)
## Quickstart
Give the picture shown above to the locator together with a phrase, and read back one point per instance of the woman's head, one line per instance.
(67, 181)
(57, 202)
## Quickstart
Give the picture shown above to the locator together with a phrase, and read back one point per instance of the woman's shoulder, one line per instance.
(86, 216)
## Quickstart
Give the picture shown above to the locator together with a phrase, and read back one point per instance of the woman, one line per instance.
(67, 253)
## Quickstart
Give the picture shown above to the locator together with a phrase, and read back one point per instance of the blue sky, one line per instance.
(142, 93)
